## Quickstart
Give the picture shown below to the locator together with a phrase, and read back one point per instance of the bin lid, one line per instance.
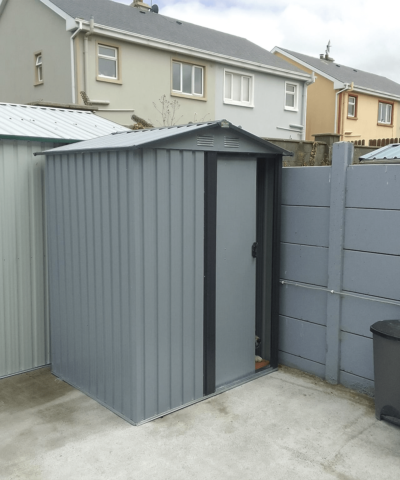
(387, 329)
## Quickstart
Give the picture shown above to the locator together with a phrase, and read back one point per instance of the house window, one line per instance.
(352, 107)
(238, 89)
(188, 79)
(291, 94)
(38, 68)
(107, 62)
(385, 113)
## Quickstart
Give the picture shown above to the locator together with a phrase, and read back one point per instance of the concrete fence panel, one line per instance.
(373, 186)
(304, 264)
(371, 274)
(364, 230)
(305, 225)
(303, 303)
(307, 186)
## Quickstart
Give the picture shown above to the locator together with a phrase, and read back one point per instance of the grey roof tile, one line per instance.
(349, 74)
(130, 19)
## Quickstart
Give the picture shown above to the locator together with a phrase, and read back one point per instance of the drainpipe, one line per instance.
(304, 101)
(347, 87)
(79, 29)
(86, 53)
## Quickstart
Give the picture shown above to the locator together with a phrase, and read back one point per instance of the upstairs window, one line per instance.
(291, 94)
(38, 68)
(352, 107)
(385, 113)
(107, 62)
(238, 89)
(188, 79)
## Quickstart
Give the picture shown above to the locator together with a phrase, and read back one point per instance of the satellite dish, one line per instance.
(154, 8)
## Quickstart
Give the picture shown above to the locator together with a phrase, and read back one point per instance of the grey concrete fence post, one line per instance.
(341, 158)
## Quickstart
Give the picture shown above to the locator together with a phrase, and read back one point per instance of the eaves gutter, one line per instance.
(376, 93)
(186, 50)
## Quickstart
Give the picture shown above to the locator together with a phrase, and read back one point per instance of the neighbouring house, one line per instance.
(25, 130)
(128, 57)
(357, 105)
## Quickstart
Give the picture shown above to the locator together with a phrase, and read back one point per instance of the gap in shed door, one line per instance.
(266, 198)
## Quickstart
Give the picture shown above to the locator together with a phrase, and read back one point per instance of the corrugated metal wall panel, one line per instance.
(24, 332)
(171, 286)
(126, 277)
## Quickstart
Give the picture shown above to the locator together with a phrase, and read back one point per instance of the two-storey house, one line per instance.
(357, 105)
(128, 57)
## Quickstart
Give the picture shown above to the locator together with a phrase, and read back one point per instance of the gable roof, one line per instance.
(345, 74)
(156, 26)
(150, 137)
(29, 122)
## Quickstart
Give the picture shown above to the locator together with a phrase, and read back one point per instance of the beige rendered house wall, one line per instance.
(145, 75)
(365, 125)
(27, 27)
(320, 103)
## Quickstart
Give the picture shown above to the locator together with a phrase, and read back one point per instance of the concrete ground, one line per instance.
(286, 425)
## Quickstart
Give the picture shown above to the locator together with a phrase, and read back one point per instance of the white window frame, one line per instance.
(295, 94)
(240, 103)
(38, 68)
(353, 104)
(382, 120)
(193, 93)
(107, 57)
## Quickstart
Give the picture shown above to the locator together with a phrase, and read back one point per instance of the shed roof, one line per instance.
(389, 152)
(134, 139)
(348, 74)
(157, 26)
(55, 124)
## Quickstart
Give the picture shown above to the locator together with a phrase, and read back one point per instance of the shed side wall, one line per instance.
(24, 332)
(126, 273)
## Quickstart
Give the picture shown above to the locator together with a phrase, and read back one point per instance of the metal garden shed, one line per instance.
(24, 130)
(163, 264)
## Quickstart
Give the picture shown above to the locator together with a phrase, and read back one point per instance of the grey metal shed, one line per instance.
(163, 263)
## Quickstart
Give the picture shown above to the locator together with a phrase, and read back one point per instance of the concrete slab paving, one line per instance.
(286, 425)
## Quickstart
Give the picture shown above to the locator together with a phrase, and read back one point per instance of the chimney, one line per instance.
(141, 6)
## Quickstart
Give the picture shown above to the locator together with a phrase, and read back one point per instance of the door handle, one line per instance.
(254, 250)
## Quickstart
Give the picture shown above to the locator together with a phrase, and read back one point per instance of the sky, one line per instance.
(364, 34)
